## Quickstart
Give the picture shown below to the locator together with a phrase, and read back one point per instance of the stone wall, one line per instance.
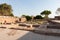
(8, 19)
(23, 19)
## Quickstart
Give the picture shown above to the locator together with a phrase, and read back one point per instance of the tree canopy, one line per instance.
(28, 18)
(46, 13)
(5, 10)
(38, 17)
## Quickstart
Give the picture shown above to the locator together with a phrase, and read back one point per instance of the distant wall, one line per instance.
(23, 19)
(57, 17)
(8, 19)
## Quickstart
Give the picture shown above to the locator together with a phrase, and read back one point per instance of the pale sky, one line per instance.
(32, 7)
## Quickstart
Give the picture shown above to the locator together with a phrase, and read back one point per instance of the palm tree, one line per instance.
(46, 13)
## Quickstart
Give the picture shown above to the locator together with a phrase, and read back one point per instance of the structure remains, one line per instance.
(57, 17)
(23, 19)
(11, 19)
(8, 19)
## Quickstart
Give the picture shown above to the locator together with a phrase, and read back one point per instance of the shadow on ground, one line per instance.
(34, 36)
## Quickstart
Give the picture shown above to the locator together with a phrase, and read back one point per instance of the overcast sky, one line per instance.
(32, 7)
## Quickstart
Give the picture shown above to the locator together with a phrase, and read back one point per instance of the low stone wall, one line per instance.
(8, 19)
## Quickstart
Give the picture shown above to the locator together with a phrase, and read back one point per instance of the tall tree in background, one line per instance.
(5, 10)
(46, 13)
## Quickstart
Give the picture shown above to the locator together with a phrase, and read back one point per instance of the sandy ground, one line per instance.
(9, 34)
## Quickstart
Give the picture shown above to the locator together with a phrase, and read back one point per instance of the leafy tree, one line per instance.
(5, 10)
(28, 18)
(11, 14)
(23, 15)
(38, 17)
(46, 13)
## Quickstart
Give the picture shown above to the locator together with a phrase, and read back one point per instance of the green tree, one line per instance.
(28, 18)
(38, 17)
(46, 13)
(5, 10)
(23, 15)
